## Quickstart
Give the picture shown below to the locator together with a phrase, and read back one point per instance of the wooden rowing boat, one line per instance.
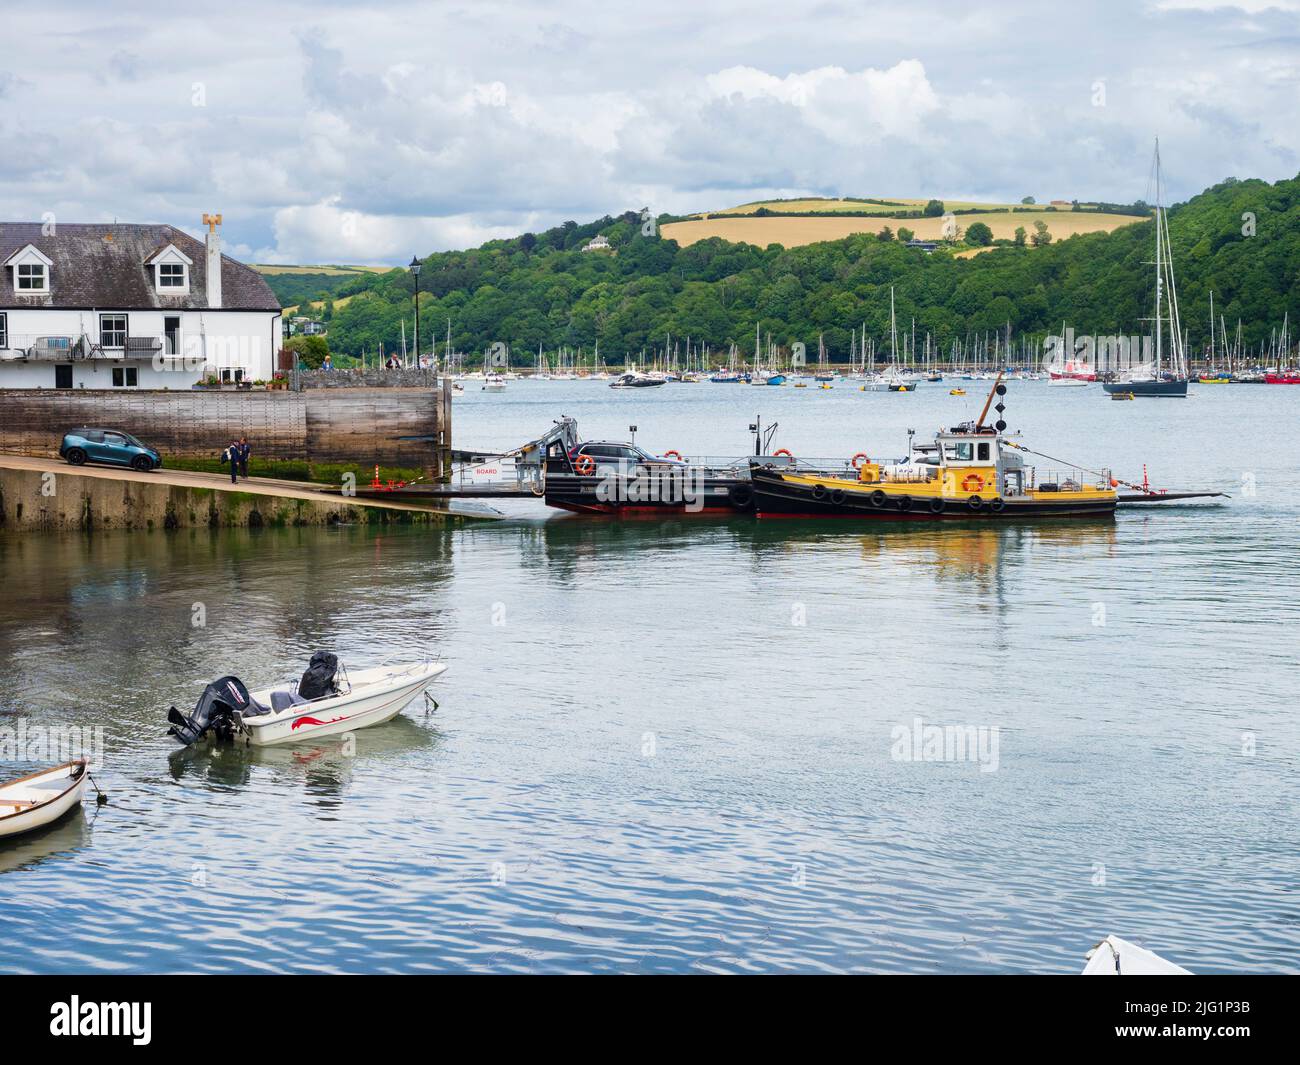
(40, 799)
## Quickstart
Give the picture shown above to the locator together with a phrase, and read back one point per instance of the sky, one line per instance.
(337, 132)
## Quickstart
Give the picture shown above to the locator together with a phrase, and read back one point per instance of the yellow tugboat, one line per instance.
(969, 471)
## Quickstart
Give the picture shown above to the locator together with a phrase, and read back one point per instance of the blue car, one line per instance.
(110, 446)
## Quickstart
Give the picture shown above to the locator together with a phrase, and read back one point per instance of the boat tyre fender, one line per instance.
(975, 503)
(997, 505)
(936, 506)
(819, 491)
(878, 498)
(741, 495)
(905, 504)
(837, 496)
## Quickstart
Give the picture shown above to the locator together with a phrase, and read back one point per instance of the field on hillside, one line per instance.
(795, 232)
(815, 204)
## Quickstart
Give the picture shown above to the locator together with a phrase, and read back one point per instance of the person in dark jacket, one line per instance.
(231, 455)
(244, 452)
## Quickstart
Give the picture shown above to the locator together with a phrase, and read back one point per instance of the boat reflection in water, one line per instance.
(59, 840)
(323, 767)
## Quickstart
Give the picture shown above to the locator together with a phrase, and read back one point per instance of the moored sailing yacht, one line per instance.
(1166, 376)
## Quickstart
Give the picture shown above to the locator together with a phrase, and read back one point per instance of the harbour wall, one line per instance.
(63, 499)
(392, 427)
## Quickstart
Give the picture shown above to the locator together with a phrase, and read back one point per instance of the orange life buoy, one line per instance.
(783, 451)
(674, 455)
(860, 455)
(973, 482)
(584, 464)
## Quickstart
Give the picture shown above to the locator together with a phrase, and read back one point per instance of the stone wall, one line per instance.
(361, 426)
(87, 503)
(368, 378)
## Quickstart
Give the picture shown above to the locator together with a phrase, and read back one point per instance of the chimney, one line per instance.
(214, 260)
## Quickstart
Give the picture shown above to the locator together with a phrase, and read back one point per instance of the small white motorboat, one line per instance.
(327, 701)
(42, 798)
(1118, 957)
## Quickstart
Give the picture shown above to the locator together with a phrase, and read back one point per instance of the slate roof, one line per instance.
(90, 271)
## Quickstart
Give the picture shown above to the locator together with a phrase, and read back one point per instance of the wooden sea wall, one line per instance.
(362, 426)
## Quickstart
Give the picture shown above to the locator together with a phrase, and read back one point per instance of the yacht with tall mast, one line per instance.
(1167, 375)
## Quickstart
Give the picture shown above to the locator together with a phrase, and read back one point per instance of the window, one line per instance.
(984, 452)
(30, 277)
(4, 330)
(232, 375)
(171, 275)
(125, 376)
(959, 452)
(112, 330)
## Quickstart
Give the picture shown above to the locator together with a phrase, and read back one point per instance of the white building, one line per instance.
(129, 306)
(598, 243)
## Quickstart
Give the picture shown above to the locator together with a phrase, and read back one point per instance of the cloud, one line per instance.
(435, 126)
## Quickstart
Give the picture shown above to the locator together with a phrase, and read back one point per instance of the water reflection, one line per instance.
(58, 840)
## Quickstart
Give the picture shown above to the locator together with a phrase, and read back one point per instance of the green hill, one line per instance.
(541, 288)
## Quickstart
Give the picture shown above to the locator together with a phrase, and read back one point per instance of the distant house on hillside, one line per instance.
(301, 325)
(129, 306)
(1061, 203)
(926, 246)
(598, 243)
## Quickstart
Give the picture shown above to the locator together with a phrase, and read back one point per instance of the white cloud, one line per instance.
(433, 126)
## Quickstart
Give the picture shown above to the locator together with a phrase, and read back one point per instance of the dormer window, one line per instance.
(171, 271)
(31, 277)
(31, 271)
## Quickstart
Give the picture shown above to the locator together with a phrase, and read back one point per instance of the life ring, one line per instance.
(972, 482)
(782, 451)
(674, 455)
(584, 464)
(860, 455)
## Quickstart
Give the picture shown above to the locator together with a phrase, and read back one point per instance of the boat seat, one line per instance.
(283, 700)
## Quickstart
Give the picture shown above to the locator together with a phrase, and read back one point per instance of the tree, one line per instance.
(885, 234)
(1020, 236)
(1041, 236)
(1028, 199)
(311, 351)
(905, 234)
(979, 235)
(933, 209)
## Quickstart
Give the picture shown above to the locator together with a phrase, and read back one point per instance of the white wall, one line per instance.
(209, 341)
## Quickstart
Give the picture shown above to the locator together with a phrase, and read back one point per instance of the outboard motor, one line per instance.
(216, 709)
(318, 680)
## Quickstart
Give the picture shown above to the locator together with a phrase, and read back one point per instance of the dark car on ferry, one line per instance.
(607, 455)
(112, 447)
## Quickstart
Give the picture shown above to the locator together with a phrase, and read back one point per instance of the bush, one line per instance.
(311, 351)
(933, 209)
(978, 235)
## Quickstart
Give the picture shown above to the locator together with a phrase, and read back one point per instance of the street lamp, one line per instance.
(415, 273)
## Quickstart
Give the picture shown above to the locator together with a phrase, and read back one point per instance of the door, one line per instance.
(63, 376)
(172, 335)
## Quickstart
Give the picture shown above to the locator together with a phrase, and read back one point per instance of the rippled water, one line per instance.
(666, 746)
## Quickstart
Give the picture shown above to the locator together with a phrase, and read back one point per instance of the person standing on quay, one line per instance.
(231, 455)
(244, 452)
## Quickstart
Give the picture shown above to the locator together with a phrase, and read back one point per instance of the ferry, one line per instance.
(971, 471)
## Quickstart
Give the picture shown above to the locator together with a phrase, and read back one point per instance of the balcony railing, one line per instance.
(50, 348)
